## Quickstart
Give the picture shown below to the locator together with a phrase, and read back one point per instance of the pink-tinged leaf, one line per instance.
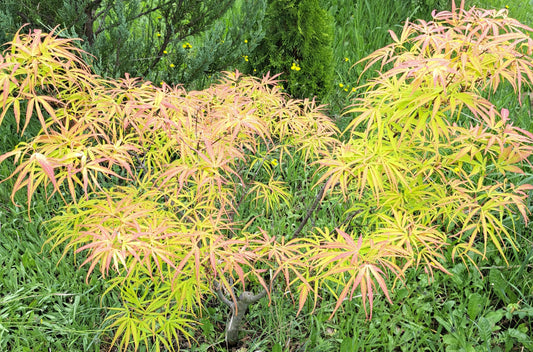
(29, 113)
(5, 93)
(47, 167)
(304, 293)
(393, 36)
(524, 187)
(341, 298)
(16, 111)
(513, 168)
(349, 240)
(377, 275)
(505, 114)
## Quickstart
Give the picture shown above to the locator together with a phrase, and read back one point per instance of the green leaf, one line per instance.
(499, 285)
(446, 324)
(347, 345)
(475, 305)
(495, 316)
(485, 328)
(277, 347)
(517, 334)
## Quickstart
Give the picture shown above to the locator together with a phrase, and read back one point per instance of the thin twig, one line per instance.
(311, 210)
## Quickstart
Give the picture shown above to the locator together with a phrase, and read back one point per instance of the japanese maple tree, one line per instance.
(153, 177)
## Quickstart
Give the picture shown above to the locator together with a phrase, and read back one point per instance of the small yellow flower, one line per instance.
(187, 46)
(274, 162)
(159, 17)
(353, 89)
(255, 70)
(345, 89)
(507, 7)
(161, 83)
(172, 65)
(245, 57)
(165, 52)
(341, 85)
(158, 34)
(245, 41)
(295, 67)
(346, 59)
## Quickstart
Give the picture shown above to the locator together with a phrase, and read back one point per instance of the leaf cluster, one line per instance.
(152, 178)
(427, 166)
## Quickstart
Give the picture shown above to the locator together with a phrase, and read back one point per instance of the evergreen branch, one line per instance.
(100, 30)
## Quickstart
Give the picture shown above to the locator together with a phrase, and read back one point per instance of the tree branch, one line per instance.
(238, 310)
(310, 210)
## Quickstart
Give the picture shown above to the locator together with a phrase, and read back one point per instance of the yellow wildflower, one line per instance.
(172, 65)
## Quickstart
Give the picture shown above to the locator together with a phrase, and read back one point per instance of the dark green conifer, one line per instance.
(299, 43)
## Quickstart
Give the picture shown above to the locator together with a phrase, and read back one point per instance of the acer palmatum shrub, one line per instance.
(153, 178)
(431, 166)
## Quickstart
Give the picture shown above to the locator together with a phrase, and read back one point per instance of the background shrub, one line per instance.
(298, 43)
(174, 41)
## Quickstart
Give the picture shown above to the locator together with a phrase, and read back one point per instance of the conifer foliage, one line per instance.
(299, 43)
(149, 39)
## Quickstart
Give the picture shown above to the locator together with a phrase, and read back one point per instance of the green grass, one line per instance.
(362, 27)
(46, 305)
(43, 304)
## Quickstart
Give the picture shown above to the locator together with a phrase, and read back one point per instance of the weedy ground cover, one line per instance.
(202, 198)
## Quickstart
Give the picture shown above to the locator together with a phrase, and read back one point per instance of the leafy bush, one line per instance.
(154, 178)
(431, 166)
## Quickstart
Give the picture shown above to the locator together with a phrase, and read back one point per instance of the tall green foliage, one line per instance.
(299, 43)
